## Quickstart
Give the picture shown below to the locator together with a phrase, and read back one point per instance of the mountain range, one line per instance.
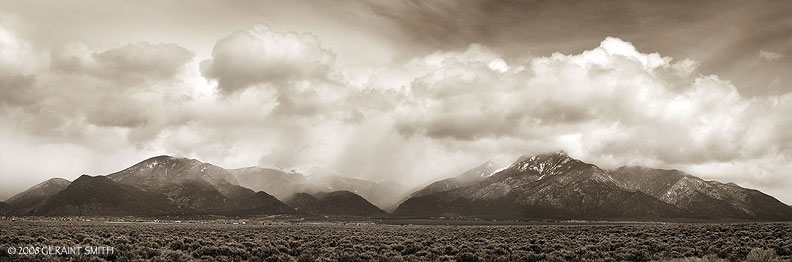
(545, 186)
(556, 186)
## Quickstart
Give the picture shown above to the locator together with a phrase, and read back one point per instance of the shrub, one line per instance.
(761, 255)
(338, 242)
(467, 257)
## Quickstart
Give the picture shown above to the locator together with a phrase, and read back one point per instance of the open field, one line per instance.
(335, 241)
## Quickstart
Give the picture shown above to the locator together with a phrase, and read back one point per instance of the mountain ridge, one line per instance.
(556, 186)
(469, 177)
(98, 195)
(284, 184)
(35, 196)
(701, 197)
(543, 186)
(198, 187)
(337, 203)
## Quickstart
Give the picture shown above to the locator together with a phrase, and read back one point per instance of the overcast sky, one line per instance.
(406, 91)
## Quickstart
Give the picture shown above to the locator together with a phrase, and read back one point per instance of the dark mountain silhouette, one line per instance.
(543, 186)
(261, 203)
(338, 203)
(284, 184)
(382, 194)
(35, 196)
(701, 198)
(98, 196)
(197, 187)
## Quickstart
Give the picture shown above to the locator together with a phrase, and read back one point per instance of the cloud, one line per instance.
(294, 68)
(16, 55)
(540, 28)
(616, 101)
(611, 105)
(261, 56)
(268, 97)
(770, 55)
(130, 64)
(14, 88)
(81, 91)
(17, 62)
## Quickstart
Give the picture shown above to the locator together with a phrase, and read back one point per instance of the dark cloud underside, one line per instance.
(723, 35)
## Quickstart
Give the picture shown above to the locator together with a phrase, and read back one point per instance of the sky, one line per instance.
(402, 91)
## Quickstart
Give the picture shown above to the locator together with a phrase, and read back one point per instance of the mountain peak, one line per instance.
(161, 157)
(493, 166)
(52, 181)
(56, 180)
(549, 185)
(561, 152)
(339, 193)
(556, 154)
(85, 177)
(35, 195)
(158, 173)
(543, 162)
(169, 159)
(486, 169)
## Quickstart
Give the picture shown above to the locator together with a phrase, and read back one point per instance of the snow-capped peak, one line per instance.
(496, 165)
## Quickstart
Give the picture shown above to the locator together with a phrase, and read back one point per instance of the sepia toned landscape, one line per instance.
(401, 130)
(181, 210)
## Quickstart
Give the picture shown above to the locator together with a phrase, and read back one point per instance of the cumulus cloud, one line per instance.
(81, 110)
(611, 105)
(80, 91)
(277, 98)
(294, 67)
(261, 56)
